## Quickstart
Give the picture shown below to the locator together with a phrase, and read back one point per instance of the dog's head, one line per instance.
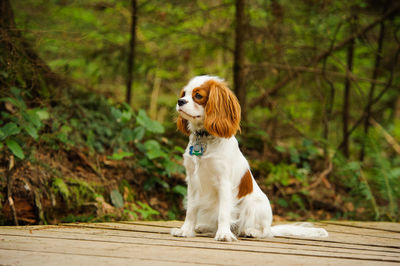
(207, 103)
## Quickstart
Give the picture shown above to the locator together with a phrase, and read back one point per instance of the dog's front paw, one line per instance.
(182, 233)
(227, 236)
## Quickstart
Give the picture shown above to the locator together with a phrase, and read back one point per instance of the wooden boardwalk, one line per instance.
(144, 243)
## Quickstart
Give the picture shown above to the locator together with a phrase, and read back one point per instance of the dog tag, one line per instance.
(196, 149)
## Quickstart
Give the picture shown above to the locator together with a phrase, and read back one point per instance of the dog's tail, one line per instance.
(298, 229)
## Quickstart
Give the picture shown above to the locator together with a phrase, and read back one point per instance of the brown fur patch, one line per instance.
(246, 185)
(222, 111)
(203, 90)
(182, 125)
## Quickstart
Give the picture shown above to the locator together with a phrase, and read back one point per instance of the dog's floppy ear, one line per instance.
(222, 112)
(182, 125)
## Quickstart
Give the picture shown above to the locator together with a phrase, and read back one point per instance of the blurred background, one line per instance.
(88, 93)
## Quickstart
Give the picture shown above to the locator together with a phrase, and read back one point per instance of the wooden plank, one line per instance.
(138, 242)
(374, 236)
(245, 242)
(224, 254)
(272, 247)
(337, 235)
(380, 226)
(296, 241)
(194, 242)
(21, 257)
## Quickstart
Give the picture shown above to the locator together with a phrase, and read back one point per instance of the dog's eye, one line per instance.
(183, 94)
(198, 96)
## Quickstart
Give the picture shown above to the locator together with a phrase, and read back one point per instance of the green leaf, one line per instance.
(32, 117)
(16, 91)
(2, 135)
(116, 199)
(171, 167)
(146, 211)
(120, 155)
(32, 131)
(63, 134)
(15, 148)
(10, 129)
(152, 145)
(138, 133)
(14, 102)
(294, 155)
(153, 150)
(42, 114)
(153, 154)
(151, 125)
(297, 199)
(282, 202)
(126, 116)
(280, 149)
(179, 149)
(116, 113)
(262, 133)
(179, 189)
(127, 134)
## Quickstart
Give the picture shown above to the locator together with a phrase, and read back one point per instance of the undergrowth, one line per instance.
(373, 185)
(94, 133)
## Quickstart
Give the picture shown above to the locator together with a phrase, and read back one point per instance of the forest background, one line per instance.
(88, 93)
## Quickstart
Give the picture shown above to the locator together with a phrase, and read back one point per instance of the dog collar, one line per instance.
(201, 133)
(199, 146)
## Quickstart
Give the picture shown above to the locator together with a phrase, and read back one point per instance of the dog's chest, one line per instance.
(201, 170)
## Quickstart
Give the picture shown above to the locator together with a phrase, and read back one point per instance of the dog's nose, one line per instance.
(182, 102)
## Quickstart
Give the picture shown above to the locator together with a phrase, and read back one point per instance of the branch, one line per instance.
(320, 71)
(321, 56)
(377, 98)
(388, 137)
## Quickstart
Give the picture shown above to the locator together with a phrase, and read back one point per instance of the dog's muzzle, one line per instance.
(182, 102)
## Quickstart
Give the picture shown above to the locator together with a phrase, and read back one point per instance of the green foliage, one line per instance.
(145, 210)
(59, 187)
(15, 148)
(120, 155)
(19, 124)
(116, 198)
(74, 192)
(150, 125)
(181, 190)
(81, 191)
(119, 129)
(375, 180)
(384, 175)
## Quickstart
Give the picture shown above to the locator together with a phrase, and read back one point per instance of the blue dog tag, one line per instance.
(196, 149)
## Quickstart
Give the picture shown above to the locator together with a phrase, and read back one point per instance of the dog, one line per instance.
(222, 194)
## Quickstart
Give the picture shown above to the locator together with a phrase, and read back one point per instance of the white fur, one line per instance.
(213, 183)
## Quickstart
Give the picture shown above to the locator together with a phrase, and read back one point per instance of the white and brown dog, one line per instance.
(222, 195)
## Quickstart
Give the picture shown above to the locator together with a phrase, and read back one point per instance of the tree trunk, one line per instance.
(24, 68)
(372, 88)
(346, 95)
(7, 16)
(131, 55)
(238, 65)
